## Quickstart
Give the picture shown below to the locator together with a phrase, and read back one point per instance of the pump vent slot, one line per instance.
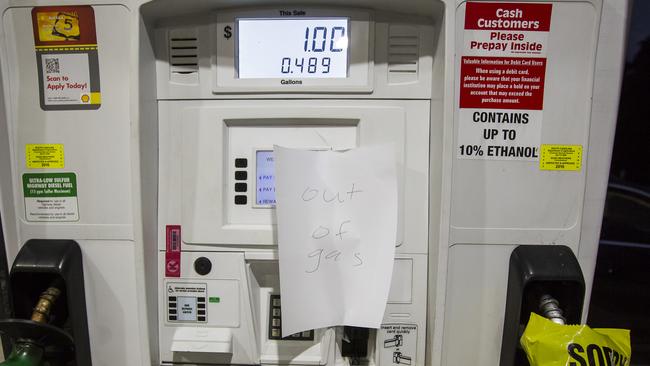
(183, 52)
(403, 54)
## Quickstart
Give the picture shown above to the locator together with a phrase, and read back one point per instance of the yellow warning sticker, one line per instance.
(560, 157)
(38, 156)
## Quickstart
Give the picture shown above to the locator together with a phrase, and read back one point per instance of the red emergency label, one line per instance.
(173, 251)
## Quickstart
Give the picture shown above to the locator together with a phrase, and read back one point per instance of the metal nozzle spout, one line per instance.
(41, 313)
(550, 308)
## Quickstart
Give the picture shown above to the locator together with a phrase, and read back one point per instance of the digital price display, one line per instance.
(265, 177)
(292, 48)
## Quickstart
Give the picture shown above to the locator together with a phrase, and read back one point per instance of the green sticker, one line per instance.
(50, 197)
(50, 185)
(214, 299)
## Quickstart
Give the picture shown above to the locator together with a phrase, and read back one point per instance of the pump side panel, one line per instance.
(96, 143)
(112, 302)
(508, 201)
(498, 204)
(97, 151)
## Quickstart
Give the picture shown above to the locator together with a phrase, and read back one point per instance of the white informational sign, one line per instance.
(186, 302)
(397, 344)
(499, 134)
(502, 75)
(50, 197)
(66, 78)
(51, 209)
(337, 227)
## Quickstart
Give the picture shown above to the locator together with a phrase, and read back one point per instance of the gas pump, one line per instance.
(388, 58)
(144, 132)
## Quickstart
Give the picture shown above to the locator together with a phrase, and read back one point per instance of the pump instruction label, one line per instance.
(502, 75)
(66, 57)
(397, 344)
(50, 197)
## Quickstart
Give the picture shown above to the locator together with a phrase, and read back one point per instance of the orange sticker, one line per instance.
(58, 26)
(64, 26)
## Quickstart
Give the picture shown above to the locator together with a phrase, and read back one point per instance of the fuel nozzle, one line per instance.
(46, 301)
(27, 351)
(550, 309)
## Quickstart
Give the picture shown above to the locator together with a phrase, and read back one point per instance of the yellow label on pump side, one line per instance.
(549, 344)
(38, 156)
(560, 157)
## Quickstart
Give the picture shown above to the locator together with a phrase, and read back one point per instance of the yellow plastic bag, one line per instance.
(550, 344)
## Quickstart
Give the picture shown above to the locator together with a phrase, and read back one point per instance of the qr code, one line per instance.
(52, 66)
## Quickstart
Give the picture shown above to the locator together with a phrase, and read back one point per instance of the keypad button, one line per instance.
(241, 175)
(240, 200)
(275, 322)
(241, 163)
(241, 187)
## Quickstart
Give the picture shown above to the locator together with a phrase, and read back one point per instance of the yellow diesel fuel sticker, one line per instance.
(560, 157)
(39, 156)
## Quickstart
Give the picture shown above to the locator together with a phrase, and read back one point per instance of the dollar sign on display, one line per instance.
(227, 32)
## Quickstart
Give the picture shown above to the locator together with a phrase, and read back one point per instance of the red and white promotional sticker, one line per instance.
(502, 74)
(173, 251)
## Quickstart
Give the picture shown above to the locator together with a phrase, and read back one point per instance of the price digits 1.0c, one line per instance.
(319, 39)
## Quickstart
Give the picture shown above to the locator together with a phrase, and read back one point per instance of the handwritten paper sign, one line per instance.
(337, 227)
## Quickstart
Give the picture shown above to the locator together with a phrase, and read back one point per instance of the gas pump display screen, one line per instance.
(292, 48)
(265, 178)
